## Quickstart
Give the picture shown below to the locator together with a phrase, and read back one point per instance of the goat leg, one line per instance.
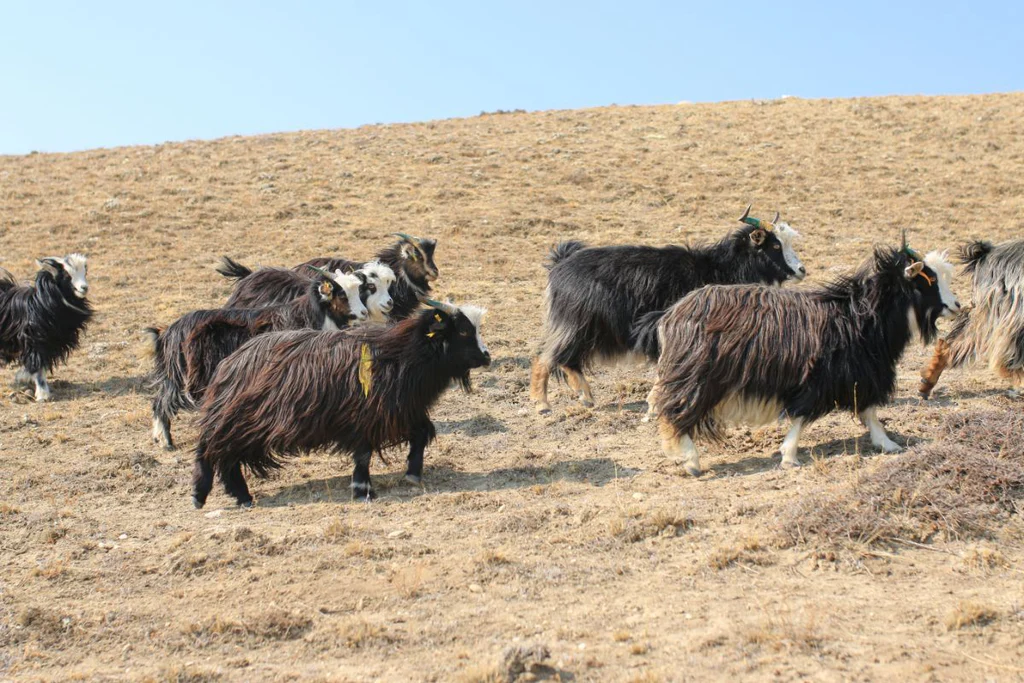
(931, 373)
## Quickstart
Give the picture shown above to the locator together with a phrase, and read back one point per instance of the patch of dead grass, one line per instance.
(967, 614)
(637, 524)
(952, 488)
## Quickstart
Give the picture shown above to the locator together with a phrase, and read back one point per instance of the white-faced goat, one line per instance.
(991, 330)
(752, 354)
(605, 302)
(357, 391)
(187, 353)
(40, 324)
(411, 260)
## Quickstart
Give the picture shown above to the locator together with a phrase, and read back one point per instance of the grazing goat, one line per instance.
(992, 328)
(187, 353)
(752, 354)
(411, 259)
(358, 391)
(604, 302)
(40, 324)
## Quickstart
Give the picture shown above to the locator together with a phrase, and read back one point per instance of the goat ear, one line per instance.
(757, 237)
(326, 290)
(913, 270)
(438, 324)
(50, 265)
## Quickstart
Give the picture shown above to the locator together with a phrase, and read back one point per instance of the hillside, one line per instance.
(569, 531)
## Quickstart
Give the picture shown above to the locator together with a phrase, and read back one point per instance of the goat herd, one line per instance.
(351, 355)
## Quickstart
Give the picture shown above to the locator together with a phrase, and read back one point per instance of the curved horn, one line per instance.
(407, 238)
(447, 308)
(777, 217)
(743, 218)
(323, 272)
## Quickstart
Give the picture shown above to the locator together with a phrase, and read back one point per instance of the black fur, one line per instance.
(188, 352)
(41, 324)
(268, 286)
(603, 293)
(834, 347)
(288, 392)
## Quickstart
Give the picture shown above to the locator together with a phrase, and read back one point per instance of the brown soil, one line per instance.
(570, 534)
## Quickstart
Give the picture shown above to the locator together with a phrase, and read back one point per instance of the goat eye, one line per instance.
(777, 247)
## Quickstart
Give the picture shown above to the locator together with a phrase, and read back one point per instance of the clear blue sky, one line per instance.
(78, 75)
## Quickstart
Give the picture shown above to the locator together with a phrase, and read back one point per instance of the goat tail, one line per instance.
(971, 255)
(232, 269)
(152, 342)
(562, 251)
(644, 337)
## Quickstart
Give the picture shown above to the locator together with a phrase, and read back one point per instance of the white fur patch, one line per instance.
(737, 409)
(380, 303)
(944, 270)
(350, 285)
(787, 236)
(76, 266)
(476, 316)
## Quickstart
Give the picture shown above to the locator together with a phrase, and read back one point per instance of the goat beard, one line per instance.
(465, 382)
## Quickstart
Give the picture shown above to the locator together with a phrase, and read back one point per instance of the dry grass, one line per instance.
(569, 527)
(968, 614)
(958, 486)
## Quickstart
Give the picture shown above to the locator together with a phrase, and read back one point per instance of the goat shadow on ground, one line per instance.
(481, 424)
(441, 479)
(63, 390)
(941, 399)
(722, 466)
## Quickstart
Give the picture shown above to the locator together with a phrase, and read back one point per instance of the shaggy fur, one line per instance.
(288, 392)
(604, 302)
(188, 352)
(41, 324)
(991, 330)
(411, 260)
(754, 353)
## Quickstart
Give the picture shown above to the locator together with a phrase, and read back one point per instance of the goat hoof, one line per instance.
(414, 479)
(544, 409)
(366, 496)
(245, 503)
(586, 403)
(891, 447)
(789, 464)
(198, 502)
(692, 470)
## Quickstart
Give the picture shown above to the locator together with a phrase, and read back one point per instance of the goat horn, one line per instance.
(407, 238)
(743, 218)
(323, 272)
(777, 217)
(447, 308)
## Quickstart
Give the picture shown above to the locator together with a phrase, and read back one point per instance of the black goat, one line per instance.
(605, 302)
(411, 259)
(187, 353)
(358, 391)
(753, 354)
(40, 324)
(992, 328)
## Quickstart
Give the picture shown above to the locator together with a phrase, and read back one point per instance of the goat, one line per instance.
(358, 391)
(604, 302)
(992, 328)
(40, 324)
(411, 259)
(187, 353)
(752, 353)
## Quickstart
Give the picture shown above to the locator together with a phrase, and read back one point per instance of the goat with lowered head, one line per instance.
(187, 353)
(356, 391)
(605, 302)
(411, 260)
(991, 330)
(40, 324)
(752, 354)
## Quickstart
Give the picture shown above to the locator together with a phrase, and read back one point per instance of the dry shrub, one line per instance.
(272, 625)
(951, 488)
(637, 525)
(969, 614)
(783, 633)
(183, 673)
(747, 552)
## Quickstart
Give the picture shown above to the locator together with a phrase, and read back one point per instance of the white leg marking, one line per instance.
(878, 436)
(161, 433)
(42, 388)
(651, 398)
(22, 376)
(691, 458)
(791, 444)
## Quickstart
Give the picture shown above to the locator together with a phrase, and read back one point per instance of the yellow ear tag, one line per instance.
(365, 369)
(437, 317)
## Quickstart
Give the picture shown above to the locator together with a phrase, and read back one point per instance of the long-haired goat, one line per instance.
(753, 354)
(991, 329)
(411, 259)
(188, 352)
(356, 391)
(604, 302)
(40, 324)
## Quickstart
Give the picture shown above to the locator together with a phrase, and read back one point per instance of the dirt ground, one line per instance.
(571, 532)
